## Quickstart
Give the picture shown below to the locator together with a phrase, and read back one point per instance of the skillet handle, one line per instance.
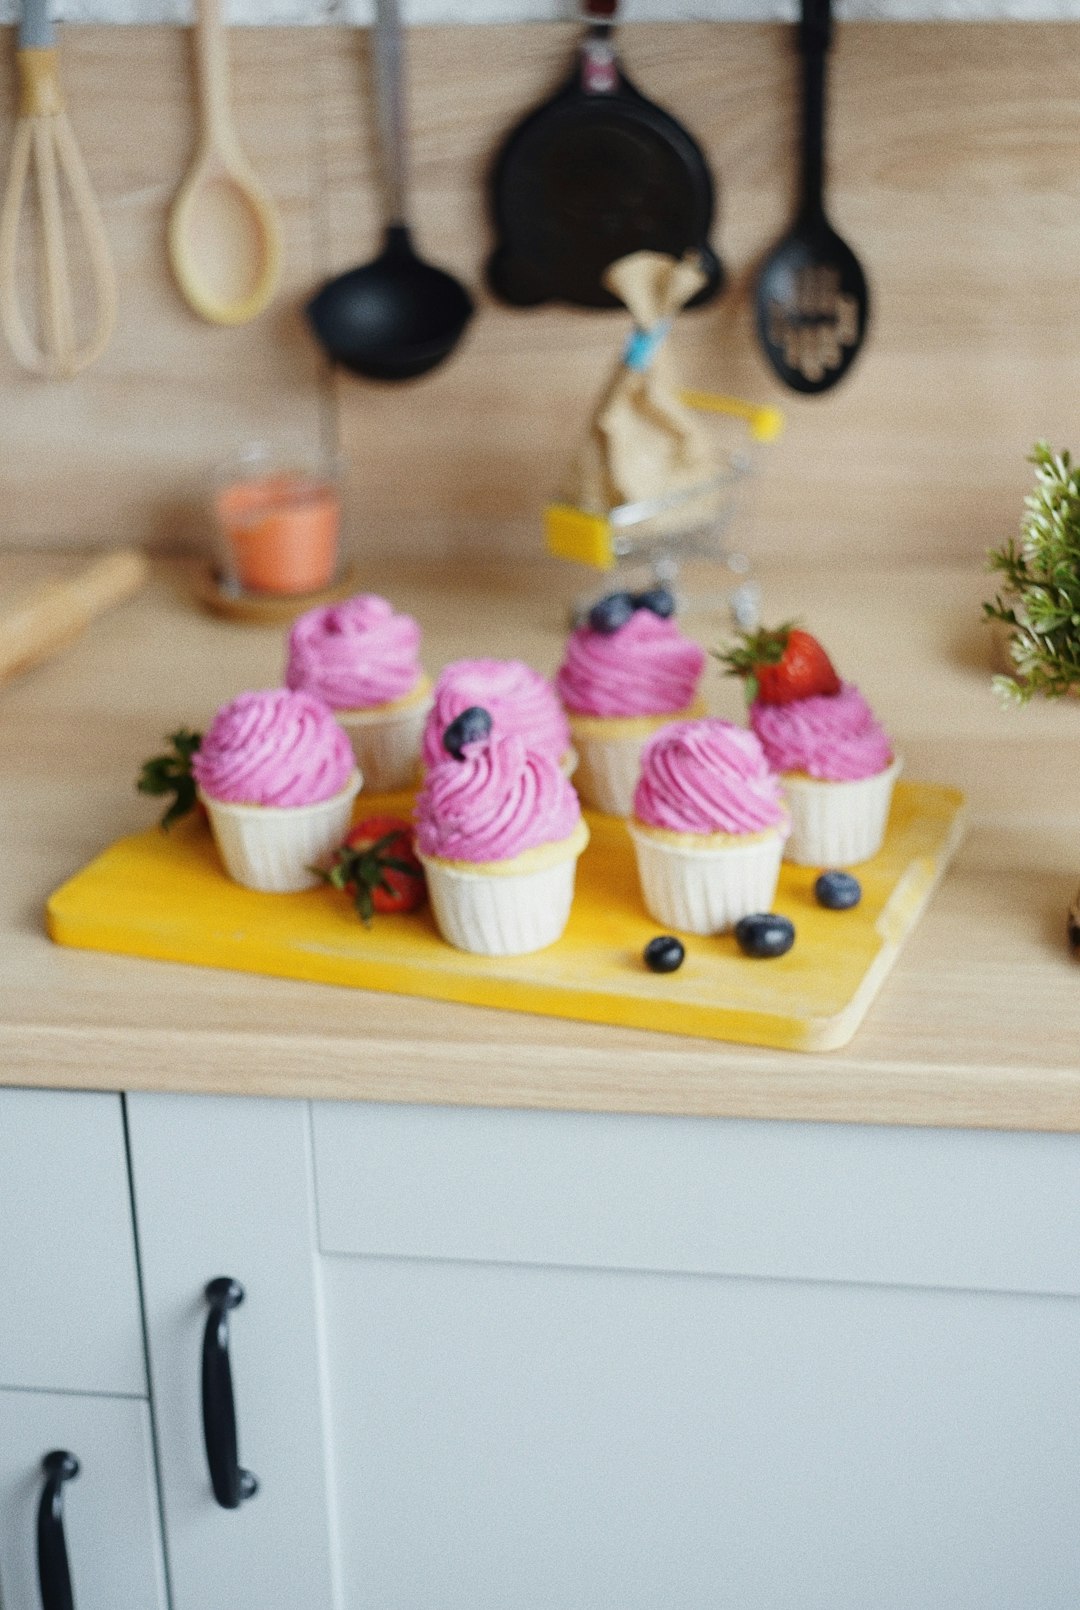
(596, 59)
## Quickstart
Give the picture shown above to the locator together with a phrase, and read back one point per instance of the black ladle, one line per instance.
(812, 300)
(396, 317)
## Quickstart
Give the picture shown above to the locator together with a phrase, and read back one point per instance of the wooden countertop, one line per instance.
(979, 1025)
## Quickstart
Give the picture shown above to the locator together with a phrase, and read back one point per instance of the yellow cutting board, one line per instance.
(164, 895)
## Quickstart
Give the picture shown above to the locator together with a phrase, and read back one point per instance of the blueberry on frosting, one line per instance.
(471, 726)
(657, 600)
(611, 612)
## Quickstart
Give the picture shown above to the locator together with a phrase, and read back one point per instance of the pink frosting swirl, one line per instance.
(707, 776)
(273, 748)
(517, 698)
(646, 668)
(355, 654)
(831, 736)
(501, 800)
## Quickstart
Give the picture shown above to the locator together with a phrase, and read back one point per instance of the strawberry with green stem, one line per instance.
(780, 665)
(171, 774)
(378, 866)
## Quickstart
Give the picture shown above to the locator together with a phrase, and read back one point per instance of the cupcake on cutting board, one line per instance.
(499, 832)
(627, 671)
(836, 761)
(708, 826)
(518, 699)
(362, 659)
(277, 776)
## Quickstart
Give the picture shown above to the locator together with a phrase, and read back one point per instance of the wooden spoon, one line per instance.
(224, 233)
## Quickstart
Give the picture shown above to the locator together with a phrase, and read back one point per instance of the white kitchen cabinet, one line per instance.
(72, 1360)
(567, 1361)
(70, 1292)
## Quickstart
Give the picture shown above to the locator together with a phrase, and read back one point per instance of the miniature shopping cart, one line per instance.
(644, 537)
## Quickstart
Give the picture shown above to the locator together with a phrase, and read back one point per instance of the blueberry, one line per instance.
(765, 934)
(611, 613)
(837, 891)
(664, 954)
(659, 600)
(470, 727)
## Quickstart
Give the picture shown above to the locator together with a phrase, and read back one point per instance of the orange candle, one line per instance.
(282, 531)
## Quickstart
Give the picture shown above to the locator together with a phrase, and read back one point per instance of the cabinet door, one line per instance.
(565, 1439)
(71, 1319)
(110, 1514)
(578, 1360)
(223, 1188)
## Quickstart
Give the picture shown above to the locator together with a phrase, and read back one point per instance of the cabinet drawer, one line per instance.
(223, 1187)
(964, 1209)
(67, 1248)
(110, 1518)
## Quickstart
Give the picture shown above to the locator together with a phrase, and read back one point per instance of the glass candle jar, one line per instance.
(279, 523)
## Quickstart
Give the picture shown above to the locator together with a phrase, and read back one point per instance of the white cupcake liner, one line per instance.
(271, 847)
(501, 913)
(838, 824)
(608, 771)
(387, 744)
(706, 890)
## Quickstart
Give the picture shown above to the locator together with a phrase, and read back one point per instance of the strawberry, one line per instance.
(378, 867)
(781, 665)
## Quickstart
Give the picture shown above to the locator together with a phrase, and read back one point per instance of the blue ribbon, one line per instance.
(643, 345)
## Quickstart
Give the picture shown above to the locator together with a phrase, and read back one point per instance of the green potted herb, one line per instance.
(1038, 602)
(1039, 597)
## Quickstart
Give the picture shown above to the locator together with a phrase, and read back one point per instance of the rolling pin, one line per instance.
(58, 611)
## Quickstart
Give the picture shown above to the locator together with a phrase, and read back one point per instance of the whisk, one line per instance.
(45, 139)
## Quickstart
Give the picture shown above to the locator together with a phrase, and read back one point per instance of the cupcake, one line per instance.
(518, 699)
(499, 831)
(838, 770)
(836, 762)
(362, 660)
(708, 826)
(278, 779)
(627, 671)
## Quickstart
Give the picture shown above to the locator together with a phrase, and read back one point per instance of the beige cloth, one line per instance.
(644, 442)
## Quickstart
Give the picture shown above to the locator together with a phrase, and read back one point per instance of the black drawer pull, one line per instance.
(54, 1573)
(231, 1483)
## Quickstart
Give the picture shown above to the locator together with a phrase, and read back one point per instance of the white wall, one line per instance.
(430, 11)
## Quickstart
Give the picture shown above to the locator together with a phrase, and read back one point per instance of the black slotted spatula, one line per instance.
(812, 300)
(594, 173)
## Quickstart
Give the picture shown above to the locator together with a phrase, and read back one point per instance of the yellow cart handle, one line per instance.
(765, 422)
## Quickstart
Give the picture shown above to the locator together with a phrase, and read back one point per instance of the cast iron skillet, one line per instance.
(594, 173)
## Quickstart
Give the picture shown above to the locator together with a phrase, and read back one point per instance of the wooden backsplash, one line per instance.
(955, 173)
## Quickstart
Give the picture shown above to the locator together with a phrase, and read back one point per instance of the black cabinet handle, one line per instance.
(231, 1483)
(54, 1573)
